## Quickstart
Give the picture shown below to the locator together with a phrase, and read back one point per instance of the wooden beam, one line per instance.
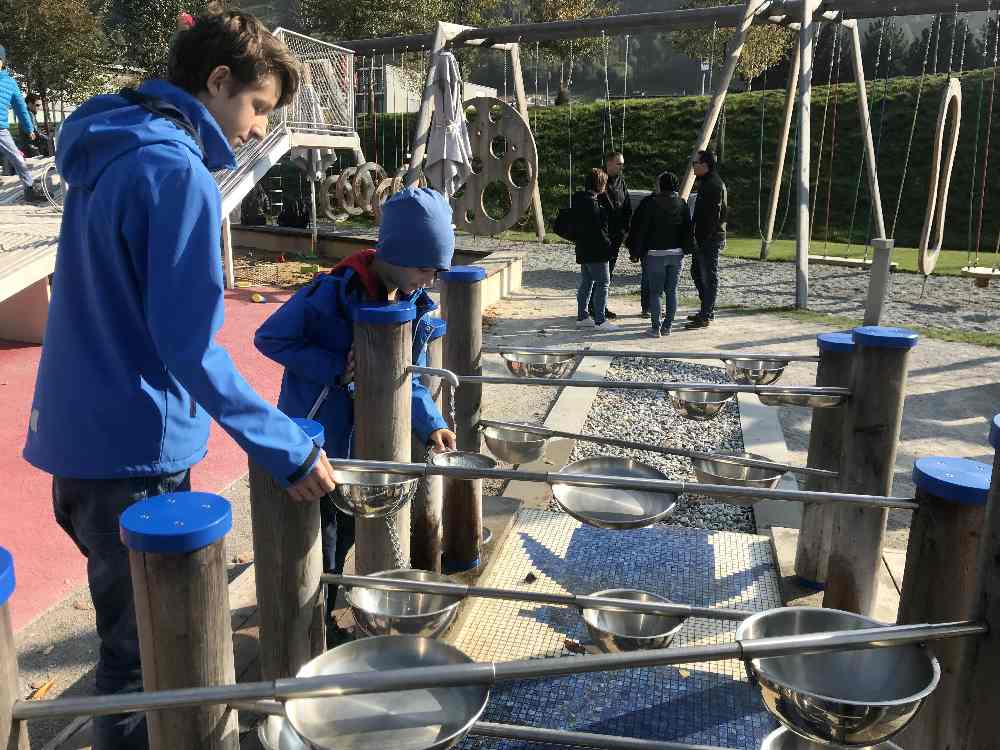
(807, 39)
(522, 107)
(779, 160)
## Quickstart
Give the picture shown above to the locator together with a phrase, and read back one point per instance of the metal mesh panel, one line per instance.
(325, 102)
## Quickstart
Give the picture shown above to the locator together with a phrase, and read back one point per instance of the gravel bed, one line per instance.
(648, 417)
(946, 302)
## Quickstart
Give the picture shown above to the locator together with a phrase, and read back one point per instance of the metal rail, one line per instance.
(644, 386)
(623, 483)
(489, 673)
(567, 600)
(739, 461)
(616, 353)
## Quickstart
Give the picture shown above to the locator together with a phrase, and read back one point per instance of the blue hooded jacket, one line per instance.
(311, 335)
(130, 373)
(10, 96)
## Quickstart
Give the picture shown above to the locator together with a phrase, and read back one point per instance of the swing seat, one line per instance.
(839, 260)
(982, 275)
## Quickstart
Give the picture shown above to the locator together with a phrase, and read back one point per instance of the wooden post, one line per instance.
(228, 270)
(722, 89)
(176, 548)
(836, 356)
(522, 107)
(779, 163)
(288, 556)
(981, 675)
(878, 281)
(13, 736)
(383, 343)
(870, 439)
(461, 305)
(807, 38)
(940, 585)
(422, 127)
(426, 534)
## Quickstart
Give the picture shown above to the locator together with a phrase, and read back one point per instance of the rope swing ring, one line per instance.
(932, 235)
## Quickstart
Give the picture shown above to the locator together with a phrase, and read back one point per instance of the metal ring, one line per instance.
(932, 235)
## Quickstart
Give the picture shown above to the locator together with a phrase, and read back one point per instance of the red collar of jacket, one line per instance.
(361, 263)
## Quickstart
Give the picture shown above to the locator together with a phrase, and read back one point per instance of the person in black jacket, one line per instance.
(663, 233)
(616, 199)
(593, 251)
(710, 209)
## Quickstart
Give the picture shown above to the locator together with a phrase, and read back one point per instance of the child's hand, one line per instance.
(348, 376)
(443, 441)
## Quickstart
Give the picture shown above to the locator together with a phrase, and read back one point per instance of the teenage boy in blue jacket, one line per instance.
(10, 96)
(312, 335)
(130, 374)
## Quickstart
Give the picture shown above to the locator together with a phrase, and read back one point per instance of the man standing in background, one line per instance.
(10, 97)
(710, 211)
(616, 200)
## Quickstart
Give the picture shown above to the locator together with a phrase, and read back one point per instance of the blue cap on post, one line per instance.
(313, 429)
(955, 480)
(7, 582)
(177, 523)
(463, 274)
(398, 312)
(841, 341)
(885, 338)
(440, 328)
(995, 432)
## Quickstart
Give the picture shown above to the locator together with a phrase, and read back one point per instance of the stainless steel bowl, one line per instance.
(615, 632)
(514, 446)
(721, 471)
(700, 406)
(785, 739)
(379, 612)
(275, 733)
(610, 508)
(798, 399)
(432, 719)
(525, 365)
(371, 494)
(847, 698)
(755, 371)
(464, 460)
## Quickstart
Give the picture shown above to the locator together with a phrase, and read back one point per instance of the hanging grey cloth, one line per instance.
(449, 151)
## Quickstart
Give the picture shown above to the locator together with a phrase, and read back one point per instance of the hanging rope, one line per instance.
(822, 132)
(989, 134)
(505, 77)
(916, 111)
(838, 46)
(538, 59)
(625, 91)
(760, 159)
(881, 130)
(607, 128)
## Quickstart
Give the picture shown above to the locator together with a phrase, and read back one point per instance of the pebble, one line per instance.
(647, 417)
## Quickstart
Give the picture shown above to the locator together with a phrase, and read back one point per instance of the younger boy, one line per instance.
(312, 335)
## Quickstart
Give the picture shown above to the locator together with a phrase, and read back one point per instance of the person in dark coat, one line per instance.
(619, 205)
(593, 251)
(710, 210)
(661, 235)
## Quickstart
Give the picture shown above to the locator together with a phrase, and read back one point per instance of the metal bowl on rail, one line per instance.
(846, 698)
(790, 398)
(275, 733)
(616, 632)
(700, 406)
(372, 494)
(381, 612)
(514, 446)
(785, 739)
(425, 719)
(610, 508)
(464, 460)
(718, 470)
(755, 371)
(525, 365)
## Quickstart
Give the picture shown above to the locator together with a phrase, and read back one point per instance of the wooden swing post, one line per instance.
(807, 38)
(779, 162)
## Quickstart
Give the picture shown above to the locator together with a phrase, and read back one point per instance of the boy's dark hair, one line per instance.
(32, 98)
(238, 41)
(596, 180)
(669, 183)
(613, 155)
(708, 159)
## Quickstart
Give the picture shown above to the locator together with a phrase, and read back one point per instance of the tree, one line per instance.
(884, 50)
(766, 44)
(142, 30)
(57, 46)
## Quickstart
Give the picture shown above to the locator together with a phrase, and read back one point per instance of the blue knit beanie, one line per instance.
(416, 230)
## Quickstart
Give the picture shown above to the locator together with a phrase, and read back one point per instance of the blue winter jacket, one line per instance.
(130, 373)
(311, 335)
(10, 97)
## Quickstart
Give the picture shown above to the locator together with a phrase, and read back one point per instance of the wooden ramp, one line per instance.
(29, 237)
(846, 262)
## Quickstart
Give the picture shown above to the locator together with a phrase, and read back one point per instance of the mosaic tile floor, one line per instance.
(707, 704)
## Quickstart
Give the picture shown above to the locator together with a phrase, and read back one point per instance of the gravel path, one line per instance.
(947, 302)
(648, 417)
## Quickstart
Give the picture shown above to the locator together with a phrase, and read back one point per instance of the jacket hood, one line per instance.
(107, 127)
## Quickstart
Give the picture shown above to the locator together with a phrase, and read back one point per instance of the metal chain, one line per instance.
(397, 552)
